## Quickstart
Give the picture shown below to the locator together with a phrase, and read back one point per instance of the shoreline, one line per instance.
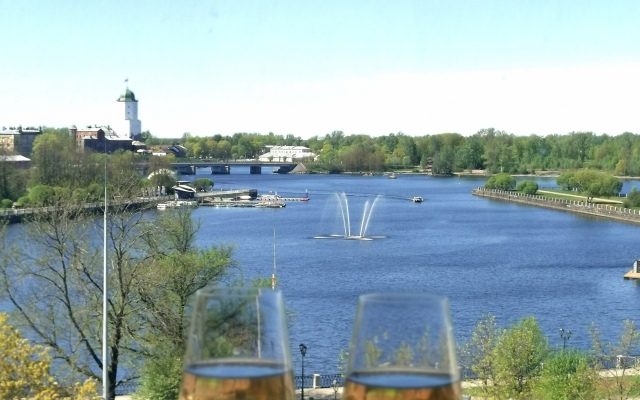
(577, 207)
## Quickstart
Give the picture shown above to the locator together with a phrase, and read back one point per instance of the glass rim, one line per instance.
(236, 291)
(402, 296)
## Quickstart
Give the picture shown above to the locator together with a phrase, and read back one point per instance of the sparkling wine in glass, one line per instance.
(238, 347)
(402, 349)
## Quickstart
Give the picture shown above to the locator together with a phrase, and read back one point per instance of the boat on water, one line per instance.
(392, 176)
(417, 199)
(271, 201)
(176, 203)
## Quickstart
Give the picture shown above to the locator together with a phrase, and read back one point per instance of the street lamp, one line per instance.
(303, 351)
(335, 386)
(565, 335)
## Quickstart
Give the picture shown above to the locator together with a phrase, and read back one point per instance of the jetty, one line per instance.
(634, 273)
(265, 201)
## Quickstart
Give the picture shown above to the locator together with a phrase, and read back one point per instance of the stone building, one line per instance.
(100, 139)
(19, 140)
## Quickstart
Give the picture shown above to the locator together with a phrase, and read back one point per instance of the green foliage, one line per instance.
(567, 376)
(479, 353)
(595, 183)
(161, 377)
(443, 162)
(24, 370)
(632, 199)
(518, 358)
(205, 184)
(162, 180)
(41, 195)
(527, 187)
(6, 203)
(615, 382)
(372, 353)
(564, 180)
(501, 181)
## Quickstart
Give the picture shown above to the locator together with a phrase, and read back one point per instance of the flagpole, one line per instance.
(105, 355)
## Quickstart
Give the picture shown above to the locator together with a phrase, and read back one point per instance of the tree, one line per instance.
(527, 187)
(177, 269)
(613, 361)
(24, 370)
(469, 155)
(443, 162)
(518, 358)
(501, 181)
(51, 160)
(564, 180)
(632, 199)
(567, 376)
(479, 352)
(205, 184)
(595, 184)
(55, 287)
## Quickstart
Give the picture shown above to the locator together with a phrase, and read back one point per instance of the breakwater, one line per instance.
(578, 207)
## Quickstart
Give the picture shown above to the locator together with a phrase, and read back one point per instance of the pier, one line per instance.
(634, 273)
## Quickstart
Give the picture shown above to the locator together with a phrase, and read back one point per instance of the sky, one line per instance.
(308, 68)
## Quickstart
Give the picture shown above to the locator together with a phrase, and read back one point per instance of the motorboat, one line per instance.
(392, 176)
(417, 199)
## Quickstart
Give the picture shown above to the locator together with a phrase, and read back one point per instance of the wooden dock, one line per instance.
(632, 275)
(635, 271)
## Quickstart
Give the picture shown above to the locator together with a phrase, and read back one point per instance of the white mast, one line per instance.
(273, 276)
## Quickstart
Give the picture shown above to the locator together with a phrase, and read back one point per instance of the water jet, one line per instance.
(344, 213)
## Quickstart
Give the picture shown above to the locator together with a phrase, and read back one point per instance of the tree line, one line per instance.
(489, 149)
(56, 161)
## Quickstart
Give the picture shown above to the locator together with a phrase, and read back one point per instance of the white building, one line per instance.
(131, 126)
(287, 154)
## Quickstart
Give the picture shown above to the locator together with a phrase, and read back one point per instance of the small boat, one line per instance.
(176, 203)
(417, 199)
(392, 176)
(271, 201)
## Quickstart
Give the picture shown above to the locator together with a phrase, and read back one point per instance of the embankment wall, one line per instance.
(578, 207)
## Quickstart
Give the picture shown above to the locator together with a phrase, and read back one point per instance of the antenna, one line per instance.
(273, 276)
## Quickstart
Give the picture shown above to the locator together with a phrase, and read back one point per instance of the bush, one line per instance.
(502, 181)
(527, 187)
(161, 378)
(6, 203)
(632, 199)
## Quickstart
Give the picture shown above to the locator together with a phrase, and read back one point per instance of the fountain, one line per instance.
(343, 205)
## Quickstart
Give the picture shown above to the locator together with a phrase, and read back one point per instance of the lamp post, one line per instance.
(565, 335)
(303, 351)
(335, 386)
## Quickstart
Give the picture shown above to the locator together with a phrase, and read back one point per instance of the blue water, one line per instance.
(487, 256)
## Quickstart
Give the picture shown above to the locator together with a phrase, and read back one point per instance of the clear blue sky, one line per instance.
(311, 67)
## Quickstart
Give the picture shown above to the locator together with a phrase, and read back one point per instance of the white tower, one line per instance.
(134, 127)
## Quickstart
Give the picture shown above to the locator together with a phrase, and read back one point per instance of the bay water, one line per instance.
(486, 256)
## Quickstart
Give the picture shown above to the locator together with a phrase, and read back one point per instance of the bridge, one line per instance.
(224, 167)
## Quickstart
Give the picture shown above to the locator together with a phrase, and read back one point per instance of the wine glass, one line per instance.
(402, 349)
(238, 346)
